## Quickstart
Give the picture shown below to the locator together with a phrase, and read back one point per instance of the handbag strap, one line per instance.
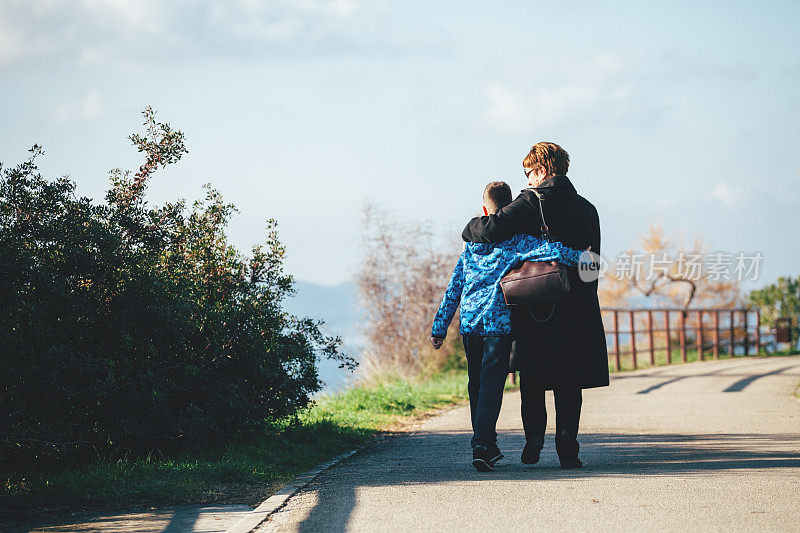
(543, 320)
(544, 229)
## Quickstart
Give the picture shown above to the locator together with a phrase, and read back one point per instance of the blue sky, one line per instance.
(684, 113)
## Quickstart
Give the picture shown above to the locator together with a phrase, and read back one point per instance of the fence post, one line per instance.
(716, 334)
(650, 335)
(682, 335)
(758, 331)
(731, 336)
(616, 337)
(669, 346)
(699, 335)
(633, 338)
(746, 335)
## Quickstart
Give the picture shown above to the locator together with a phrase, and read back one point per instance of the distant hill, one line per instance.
(338, 307)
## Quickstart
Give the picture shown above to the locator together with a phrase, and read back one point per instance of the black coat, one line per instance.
(570, 348)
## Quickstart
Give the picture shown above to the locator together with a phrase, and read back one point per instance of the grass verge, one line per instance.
(241, 472)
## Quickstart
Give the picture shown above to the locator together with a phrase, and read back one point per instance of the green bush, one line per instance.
(127, 329)
(779, 299)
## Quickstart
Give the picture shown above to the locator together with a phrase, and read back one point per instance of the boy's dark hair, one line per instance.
(497, 195)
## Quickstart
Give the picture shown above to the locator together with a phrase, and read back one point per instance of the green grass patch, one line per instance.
(241, 472)
(383, 404)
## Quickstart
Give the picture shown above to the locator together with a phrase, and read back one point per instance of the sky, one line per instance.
(685, 114)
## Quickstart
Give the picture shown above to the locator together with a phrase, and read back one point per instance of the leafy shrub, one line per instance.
(127, 328)
(779, 299)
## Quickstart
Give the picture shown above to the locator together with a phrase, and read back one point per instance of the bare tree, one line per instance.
(672, 274)
(401, 282)
(613, 291)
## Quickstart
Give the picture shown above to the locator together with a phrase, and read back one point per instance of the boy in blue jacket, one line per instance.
(486, 319)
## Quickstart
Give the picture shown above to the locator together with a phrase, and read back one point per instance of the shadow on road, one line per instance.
(747, 377)
(166, 520)
(428, 458)
(740, 385)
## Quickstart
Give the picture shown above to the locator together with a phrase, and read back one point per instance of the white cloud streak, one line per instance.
(90, 106)
(554, 90)
(105, 32)
(727, 194)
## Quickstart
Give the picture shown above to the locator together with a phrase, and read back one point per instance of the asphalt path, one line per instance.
(708, 446)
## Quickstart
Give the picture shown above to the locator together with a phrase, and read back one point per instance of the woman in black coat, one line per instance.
(567, 352)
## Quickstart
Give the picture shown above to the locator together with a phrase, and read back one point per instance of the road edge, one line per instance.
(260, 514)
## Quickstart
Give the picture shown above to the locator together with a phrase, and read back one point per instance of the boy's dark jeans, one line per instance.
(487, 366)
(534, 415)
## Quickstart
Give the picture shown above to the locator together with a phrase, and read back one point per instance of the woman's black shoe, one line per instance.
(530, 455)
(571, 465)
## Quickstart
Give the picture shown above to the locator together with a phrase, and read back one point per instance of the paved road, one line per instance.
(706, 446)
(195, 518)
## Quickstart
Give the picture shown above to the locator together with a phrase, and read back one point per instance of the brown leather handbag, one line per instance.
(532, 282)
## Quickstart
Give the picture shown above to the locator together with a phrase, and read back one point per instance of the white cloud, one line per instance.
(17, 43)
(339, 8)
(664, 202)
(137, 32)
(129, 15)
(90, 106)
(31, 29)
(11, 48)
(284, 20)
(283, 30)
(725, 193)
(549, 91)
(506, 106)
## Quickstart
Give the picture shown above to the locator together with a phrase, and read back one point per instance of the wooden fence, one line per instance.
(657, 333)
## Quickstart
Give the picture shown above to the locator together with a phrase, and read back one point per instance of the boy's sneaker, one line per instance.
(481, 459)
(494, 453)
(530, 454)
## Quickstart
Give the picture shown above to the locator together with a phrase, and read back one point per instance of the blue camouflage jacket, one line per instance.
(475, 282)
